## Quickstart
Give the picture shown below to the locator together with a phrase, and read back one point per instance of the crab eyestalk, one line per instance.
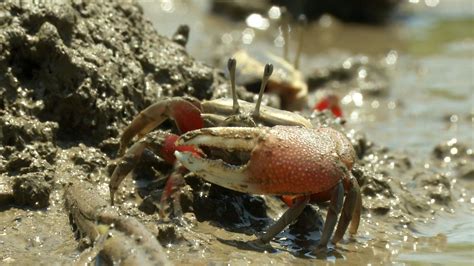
(267, 72)
(231, 65)
(302, 22)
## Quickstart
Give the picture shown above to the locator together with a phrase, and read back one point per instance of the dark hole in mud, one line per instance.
(235, 211)
(25, 68)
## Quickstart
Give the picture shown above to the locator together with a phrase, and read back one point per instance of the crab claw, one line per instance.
(231, 138)
(330, 102)
(283, 160)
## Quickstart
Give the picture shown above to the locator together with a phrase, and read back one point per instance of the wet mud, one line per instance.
(74, 75)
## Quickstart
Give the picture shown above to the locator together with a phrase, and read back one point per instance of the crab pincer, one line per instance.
(283, 160)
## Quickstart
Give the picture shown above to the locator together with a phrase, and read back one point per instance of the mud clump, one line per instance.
(457, 156)
(360, 72)
(31, 190)
(233, 210)
(21, 130)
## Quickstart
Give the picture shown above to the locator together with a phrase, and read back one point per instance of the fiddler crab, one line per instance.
(288, 81)
(280, 153)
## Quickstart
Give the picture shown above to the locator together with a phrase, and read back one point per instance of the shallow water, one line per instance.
(430, 51)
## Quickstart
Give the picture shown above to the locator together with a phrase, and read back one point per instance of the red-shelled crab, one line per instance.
(281, 154)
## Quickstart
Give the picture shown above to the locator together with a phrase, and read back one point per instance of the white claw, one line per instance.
(218, 172)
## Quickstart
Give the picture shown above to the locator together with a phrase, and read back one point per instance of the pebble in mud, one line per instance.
(31, 190)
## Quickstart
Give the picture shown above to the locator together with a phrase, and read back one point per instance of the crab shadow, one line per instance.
(243, 213)
(301, 248)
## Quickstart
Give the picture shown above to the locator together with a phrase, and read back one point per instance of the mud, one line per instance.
(369, 76)
(76, 74)
(61, 67)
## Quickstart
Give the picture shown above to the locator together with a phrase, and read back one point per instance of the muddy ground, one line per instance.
(75, 74)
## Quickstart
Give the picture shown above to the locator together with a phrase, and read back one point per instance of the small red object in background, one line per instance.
(330, 102)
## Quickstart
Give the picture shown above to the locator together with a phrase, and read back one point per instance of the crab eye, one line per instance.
(231, 64)
(268, 70)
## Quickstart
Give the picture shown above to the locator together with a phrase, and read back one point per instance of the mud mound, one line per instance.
(89, 67)
(73, 75)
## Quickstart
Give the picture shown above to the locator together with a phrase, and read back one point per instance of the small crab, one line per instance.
(285, 156)
(287, 82)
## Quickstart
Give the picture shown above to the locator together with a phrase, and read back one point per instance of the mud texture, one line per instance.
(88, 71)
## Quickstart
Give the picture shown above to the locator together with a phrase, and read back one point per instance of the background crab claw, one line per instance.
(218, 172)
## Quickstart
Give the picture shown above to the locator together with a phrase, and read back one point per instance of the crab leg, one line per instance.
(175, 180)
(162, 143)
(335, 206)
(185, 111)
(352, 203)
(126, 164)
(289, 216)
(356, 214)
